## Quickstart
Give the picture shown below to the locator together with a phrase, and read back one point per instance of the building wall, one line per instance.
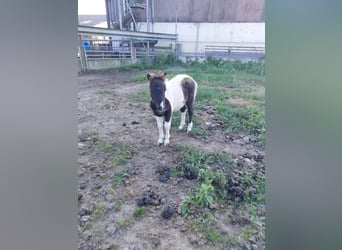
(195, 36)
(206, 11)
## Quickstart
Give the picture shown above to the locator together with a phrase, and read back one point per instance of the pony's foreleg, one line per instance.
(160, 124)
(167, 127)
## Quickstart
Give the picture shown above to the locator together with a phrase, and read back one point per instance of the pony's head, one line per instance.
(157, 89)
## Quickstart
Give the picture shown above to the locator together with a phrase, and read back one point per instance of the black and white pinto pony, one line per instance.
(168, 96)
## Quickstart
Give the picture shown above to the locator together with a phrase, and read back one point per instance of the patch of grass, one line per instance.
(206, 224)
(138, 78)
(140, 212)
(98, 211)
(162, 61)
(142, 95)
(210, 170)
(120, 152)
(102, 91)
(190, 162)
(245, 119)
(121, 221)
(121, 175)
(119, 201)
(249, 180)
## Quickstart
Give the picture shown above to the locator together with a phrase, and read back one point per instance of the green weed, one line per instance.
(140, 212)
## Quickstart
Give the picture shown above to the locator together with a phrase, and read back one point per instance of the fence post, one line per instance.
(133, 52)
(178, 50)
(83, 58)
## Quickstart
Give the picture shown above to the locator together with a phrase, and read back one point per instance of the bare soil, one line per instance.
(108, 113)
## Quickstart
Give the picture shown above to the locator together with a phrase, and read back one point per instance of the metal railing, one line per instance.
(107, 44)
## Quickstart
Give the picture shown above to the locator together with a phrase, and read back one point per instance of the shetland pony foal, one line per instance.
(168, 96)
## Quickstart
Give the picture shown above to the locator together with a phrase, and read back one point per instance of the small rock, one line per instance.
(179, 222)
(162, 201)
(84, 210)
(167, 212)
(143, 201)
(254, 247)
(83, 186)
(259, 157)
(247, 161)
(183, 229)
(165, 176)
(109, 197)
(252, 191)
(80, 196)
(261, 211)
(91, 208)
(110, 229)
(83, 137)
(246, 139)
(193, 239)
(85, 218)
(81, 145)
(135, 122)
(243, 221)
(190, 175)
(247, 155)
(155, 242)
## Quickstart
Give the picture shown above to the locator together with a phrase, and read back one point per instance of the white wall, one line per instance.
(194, 36)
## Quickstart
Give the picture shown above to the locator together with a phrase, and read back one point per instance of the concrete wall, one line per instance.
(193, 37)
(94, 64)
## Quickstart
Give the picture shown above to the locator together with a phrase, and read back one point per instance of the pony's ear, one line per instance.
(164, 76)
(149, 76)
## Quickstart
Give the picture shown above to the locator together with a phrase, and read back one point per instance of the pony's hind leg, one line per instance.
(190, 112)
(182, 121)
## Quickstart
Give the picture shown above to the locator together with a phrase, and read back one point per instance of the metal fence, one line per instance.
(109, 48)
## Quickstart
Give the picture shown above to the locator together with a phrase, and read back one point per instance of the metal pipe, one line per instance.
(124, 33)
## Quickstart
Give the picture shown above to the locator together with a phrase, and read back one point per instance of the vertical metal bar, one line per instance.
(120, 13)
(83, 57)
(147, 16)
(108, 14)
(152, 15)
(148, 50)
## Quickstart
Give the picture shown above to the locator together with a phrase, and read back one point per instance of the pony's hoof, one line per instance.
(180, 127)
(160, 144)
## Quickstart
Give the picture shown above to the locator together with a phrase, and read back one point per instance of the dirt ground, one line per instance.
(105, 212)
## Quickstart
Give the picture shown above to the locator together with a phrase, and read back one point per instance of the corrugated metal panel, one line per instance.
(209, 11)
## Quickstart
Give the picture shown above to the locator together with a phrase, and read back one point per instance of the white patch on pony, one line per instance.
(182, 122)
(162, 105)
(167, 127)
(189, 127)
(160, 124)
